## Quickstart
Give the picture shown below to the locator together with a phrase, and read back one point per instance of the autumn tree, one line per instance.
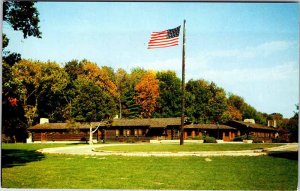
(34, 79)
(130, 108)
(100, 76)
(147, 94)
(21, 16)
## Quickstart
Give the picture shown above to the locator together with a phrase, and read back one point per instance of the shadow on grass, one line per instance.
(15, 157)
(292, 155)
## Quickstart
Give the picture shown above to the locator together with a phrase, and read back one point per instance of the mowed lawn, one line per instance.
(187, 147)
(28, 169)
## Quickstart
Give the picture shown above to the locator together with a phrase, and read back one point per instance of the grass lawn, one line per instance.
(186, 147)
(119, 172)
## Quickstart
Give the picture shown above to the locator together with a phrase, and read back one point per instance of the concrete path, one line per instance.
(90, 150)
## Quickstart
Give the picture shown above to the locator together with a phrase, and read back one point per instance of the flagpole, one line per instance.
(183, 88)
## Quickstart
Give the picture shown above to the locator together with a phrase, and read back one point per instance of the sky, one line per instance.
(248, 49)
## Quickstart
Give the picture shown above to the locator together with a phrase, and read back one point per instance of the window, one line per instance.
(140, 132)
(117, 132)
(128, 132)
(136, 132)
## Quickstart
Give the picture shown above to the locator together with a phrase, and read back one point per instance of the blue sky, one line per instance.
(249, 49)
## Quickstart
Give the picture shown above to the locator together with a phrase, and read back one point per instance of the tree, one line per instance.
(21, 16)
(205, 102)
(122, 83)
(170, 94)
(91, 102)
(292, 126)
(34, 79)
(130, 108)
(100, 76)
(147, 94)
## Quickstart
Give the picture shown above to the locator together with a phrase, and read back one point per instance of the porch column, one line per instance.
(223, 136)
(185, 135)
(193, 133)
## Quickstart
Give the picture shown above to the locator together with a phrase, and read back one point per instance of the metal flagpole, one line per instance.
(183, 88)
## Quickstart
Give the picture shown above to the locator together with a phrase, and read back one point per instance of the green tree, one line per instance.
(21, 16)
(206, 102)
(170, 94)
(91, 103)
(292, 126)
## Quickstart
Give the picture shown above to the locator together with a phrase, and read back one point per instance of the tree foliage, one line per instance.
(22, 16)
(206, 102)
(83, 91)
(91, 103)
(170, 94)
(35, 79)
(147, 94)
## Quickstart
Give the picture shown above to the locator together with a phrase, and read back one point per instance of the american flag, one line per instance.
(164, 38)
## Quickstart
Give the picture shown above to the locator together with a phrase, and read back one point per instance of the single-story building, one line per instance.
(144, 130)
(262, 132)
(50, 132)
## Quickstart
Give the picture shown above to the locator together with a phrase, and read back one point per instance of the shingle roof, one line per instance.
(65, 125)
(208, 126)
(255, 125)
(152, 122)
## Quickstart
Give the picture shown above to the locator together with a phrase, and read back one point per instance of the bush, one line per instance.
(195, 138)
(208, 139)
(130, 140)
(279, 140)
(239, 138)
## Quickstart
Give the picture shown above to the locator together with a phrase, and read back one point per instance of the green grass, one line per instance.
(36, 146)
(185, 147)
(119, 172)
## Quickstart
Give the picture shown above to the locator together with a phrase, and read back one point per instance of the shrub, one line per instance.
(208, 139)
(243, 137)
(130, 140)
(279, 140)
(195, 138)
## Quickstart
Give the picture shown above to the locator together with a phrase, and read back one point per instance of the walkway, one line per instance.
(90, 150)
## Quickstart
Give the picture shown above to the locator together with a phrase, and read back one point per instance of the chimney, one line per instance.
(272, 123)
(249, 121)
(44, 120)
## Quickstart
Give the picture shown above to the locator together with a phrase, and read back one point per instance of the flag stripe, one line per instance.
(164, 46)
(164, 42)
(164, 38)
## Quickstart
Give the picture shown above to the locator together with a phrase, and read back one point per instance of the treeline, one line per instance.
(83, 91)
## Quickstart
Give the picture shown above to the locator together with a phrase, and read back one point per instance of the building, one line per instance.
(144, 130)
(263, 133)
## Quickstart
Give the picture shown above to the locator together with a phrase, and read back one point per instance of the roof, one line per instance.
(65, 125)
(254, 125)
(150, 122)
(209, 126)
